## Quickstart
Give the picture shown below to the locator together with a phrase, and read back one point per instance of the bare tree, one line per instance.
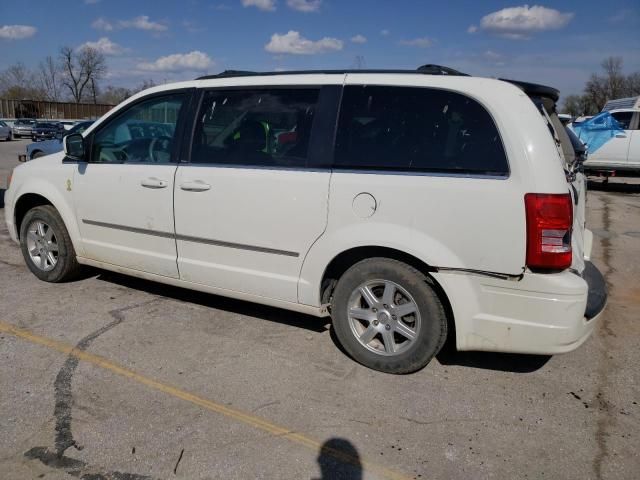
(18, 82)
(80, 68)
(614, 78)
(613, 84)
(633, 84)
(147, 83)
(571, 105)
(111, 95)
(49, 78)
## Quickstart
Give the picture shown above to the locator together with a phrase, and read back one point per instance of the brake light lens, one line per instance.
(549, 222)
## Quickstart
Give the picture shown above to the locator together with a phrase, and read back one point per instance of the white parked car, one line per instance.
(620, 150)
(409, 207)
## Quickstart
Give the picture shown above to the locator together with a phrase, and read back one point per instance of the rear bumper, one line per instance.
(597, 293)
(539, 314)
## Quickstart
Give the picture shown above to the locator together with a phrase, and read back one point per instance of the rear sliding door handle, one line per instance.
(153, 182)
(195, 186)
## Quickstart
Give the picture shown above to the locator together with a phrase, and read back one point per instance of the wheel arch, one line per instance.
(347, 258)
(25, 203)
(43, 193)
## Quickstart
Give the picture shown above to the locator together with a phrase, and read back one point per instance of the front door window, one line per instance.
(145, 133)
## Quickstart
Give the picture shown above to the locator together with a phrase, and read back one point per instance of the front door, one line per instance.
(253, 200)
(615, 150)
(124, 194)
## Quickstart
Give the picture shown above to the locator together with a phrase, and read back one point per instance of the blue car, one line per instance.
(47, 147)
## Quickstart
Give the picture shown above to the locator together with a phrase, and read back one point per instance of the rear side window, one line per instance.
(417, 129)
(263, 127)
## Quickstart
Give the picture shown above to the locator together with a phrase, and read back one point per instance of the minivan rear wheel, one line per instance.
(46, 246)
(387, 316)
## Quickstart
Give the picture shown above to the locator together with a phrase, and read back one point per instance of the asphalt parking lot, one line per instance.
(110, 377)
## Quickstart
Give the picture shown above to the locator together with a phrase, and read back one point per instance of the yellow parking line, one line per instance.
(233, 413)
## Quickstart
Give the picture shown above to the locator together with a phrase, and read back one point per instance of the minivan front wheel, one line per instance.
(46, 246)
(387, 316)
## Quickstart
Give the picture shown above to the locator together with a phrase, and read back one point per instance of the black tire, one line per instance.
(66, 267)
(431, 333)
(37, 154)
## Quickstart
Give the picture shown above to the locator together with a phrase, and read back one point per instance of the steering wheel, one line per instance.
(111, 153)
(164, 142)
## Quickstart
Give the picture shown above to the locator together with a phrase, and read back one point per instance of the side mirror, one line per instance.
(74, 147)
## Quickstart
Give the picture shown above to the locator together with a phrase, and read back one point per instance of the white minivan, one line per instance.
(410, 206)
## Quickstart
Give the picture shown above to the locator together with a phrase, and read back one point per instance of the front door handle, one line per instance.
(195, 186)
(153, 182)
(620, 135)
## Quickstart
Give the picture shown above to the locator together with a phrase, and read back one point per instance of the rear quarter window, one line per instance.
(417, 129)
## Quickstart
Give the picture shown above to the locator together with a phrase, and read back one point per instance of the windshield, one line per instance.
(45, 125)
(80, 127)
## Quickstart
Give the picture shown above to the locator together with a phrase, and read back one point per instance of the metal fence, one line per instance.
(57, 110)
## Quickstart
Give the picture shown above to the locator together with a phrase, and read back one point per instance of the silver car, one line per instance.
(23, 127)
(5, 131)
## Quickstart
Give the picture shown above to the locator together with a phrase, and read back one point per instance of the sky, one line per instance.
(557, 43)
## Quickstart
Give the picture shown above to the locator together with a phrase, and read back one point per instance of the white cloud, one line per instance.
(359, 39)
(522, 22)
(102, 24)
(267, 5)
(142, 23)
(305, 5)
(385, 32)
(293, 43)
(472, 29)
(17, 32)
(91, 2)
(422, 42)
(192, 61)
(105, 46)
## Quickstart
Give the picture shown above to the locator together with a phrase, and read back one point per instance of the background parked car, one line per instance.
(613, 139)
(46, 130)
(5, 131)
(46, 147)
(23, 127)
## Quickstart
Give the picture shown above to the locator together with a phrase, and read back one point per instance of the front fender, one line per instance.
(329, 246)
(60, 198)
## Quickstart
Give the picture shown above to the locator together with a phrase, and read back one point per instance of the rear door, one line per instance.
(576, 180)
(253, 198)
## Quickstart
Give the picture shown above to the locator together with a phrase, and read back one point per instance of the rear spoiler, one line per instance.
(536, 90)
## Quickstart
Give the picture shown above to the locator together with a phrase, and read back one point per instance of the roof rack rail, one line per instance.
(431, 69)
(424, 69)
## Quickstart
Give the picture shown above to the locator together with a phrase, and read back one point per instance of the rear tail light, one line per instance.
(549, 221)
